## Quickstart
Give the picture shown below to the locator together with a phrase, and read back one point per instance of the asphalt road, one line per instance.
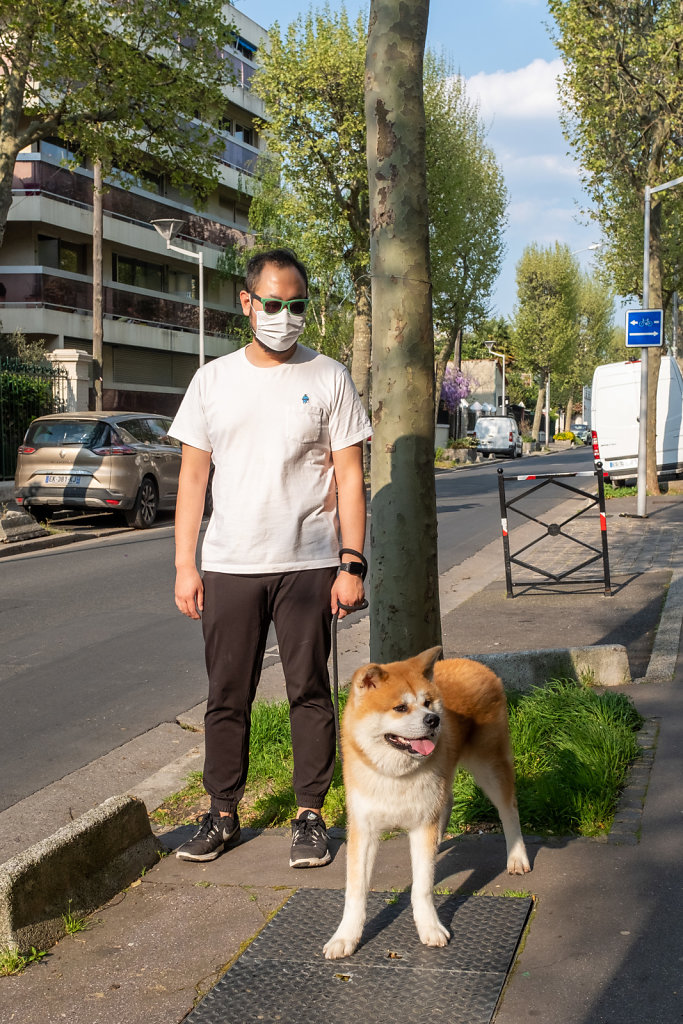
(94, 653)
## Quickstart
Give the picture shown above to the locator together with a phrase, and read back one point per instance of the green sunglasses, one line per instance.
(272, 306)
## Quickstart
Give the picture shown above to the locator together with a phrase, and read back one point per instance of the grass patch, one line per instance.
(73, 924)
(14, 962)
(268, 798)
(613, 491)
(572, 750)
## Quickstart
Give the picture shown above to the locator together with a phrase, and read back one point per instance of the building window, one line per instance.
(63, 255)
(244, 134)
(59, 151)
(246, 48)
(140, 274)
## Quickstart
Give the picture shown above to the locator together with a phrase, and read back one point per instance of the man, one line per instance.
(284, 428)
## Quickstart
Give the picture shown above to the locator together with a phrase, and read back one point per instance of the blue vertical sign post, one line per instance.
(644, 328)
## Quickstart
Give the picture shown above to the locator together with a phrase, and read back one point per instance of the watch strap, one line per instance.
(353, 568)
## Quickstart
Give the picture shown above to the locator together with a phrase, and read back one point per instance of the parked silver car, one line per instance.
(122, 461)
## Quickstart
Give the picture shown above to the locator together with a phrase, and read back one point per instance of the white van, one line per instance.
(498, 435)
(615, 418)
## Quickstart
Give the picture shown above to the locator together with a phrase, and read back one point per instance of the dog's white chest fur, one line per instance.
(388, 802)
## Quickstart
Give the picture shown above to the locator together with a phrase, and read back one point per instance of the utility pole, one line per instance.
(97, 267)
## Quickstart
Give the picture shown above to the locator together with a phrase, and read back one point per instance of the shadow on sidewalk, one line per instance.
(559, 616)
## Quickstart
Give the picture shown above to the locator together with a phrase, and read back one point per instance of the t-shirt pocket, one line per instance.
(304, 424)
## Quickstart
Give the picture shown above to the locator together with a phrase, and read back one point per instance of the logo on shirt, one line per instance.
(305, 399)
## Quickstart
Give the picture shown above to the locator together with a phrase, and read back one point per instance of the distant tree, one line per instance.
(594, 339)
(17, 346)
(122, 83)
(622, 94)
(467, 210)
(404, 599)
(546, 316)
(313, 191)
(497, 329)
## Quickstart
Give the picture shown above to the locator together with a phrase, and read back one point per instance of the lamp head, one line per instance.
(168, 228)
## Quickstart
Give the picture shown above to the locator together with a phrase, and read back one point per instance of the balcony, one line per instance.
(37, 178)
(68, 293)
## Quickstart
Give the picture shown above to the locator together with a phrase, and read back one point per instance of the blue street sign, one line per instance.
(644, 327)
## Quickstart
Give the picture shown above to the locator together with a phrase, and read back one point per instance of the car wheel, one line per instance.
(144, 511)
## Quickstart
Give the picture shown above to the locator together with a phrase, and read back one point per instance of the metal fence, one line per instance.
(27, 390)
(589, 553)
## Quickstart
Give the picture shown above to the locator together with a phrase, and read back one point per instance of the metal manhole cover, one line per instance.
(283, 977)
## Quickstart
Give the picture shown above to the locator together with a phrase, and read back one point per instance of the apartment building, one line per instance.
(150, 300)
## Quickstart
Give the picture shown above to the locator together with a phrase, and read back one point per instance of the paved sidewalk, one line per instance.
(605, 941)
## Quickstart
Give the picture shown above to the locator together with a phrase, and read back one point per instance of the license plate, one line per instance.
(62, 479)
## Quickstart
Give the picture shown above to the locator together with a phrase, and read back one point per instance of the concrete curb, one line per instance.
(75, 871)
(662, 664)
(604, 664)
(22, 547)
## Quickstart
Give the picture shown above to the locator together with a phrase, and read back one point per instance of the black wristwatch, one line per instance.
(354, 568)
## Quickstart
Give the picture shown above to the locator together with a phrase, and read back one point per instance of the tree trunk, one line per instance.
(97, 289)
(441, 363)
(12, 109)
(654, 359)
(538, 412)
(404, 593)
(8, 156)
(569, 413)
(361, 358)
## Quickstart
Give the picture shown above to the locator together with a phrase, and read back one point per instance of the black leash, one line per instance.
(362, 572)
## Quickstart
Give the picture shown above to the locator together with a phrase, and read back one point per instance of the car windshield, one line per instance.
(56, 433)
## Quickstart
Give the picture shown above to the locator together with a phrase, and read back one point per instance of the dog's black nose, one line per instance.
(431, 721)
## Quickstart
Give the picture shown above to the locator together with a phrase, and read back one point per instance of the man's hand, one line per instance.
(189, 592)
(349, 590)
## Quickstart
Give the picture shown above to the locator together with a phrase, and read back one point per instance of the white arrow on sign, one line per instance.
(644, 334)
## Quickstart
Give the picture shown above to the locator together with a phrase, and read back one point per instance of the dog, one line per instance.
(406, 727)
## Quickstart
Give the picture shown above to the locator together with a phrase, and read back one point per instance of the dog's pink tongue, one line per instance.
(423, 747)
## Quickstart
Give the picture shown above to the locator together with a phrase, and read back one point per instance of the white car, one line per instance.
(498, 435)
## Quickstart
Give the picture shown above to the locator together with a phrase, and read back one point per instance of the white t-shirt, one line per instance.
(271, 432)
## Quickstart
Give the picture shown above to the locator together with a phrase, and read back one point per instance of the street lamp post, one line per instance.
(500, 355)
(588, 248)
(168, 229)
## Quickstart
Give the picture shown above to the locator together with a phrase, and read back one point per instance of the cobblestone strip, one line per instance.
(626, 828)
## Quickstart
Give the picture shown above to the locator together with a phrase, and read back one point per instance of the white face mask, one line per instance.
(278, 332)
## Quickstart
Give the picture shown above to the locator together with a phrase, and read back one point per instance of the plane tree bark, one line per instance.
(404, 594)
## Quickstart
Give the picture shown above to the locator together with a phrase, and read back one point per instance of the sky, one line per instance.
(504, 50)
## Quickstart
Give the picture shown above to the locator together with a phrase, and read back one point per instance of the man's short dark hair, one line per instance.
(278, 257)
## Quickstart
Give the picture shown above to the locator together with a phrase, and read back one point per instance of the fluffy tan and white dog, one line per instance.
(406, 727)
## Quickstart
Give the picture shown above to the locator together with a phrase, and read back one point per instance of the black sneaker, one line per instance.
(215, 834)
(309, 842)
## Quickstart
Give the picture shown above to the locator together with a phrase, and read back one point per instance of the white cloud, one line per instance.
(552, 219)
(527, 93)
(540, 165)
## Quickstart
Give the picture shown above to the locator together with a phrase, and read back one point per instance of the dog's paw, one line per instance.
(339, 946)
(518, 862)
(434, 934)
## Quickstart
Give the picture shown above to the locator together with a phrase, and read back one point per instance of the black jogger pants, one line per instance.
(237, 613)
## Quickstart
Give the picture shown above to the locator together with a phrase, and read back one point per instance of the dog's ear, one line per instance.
(369, 677)
(427, 660)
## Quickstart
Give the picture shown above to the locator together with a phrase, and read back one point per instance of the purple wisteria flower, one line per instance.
(455, 387)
